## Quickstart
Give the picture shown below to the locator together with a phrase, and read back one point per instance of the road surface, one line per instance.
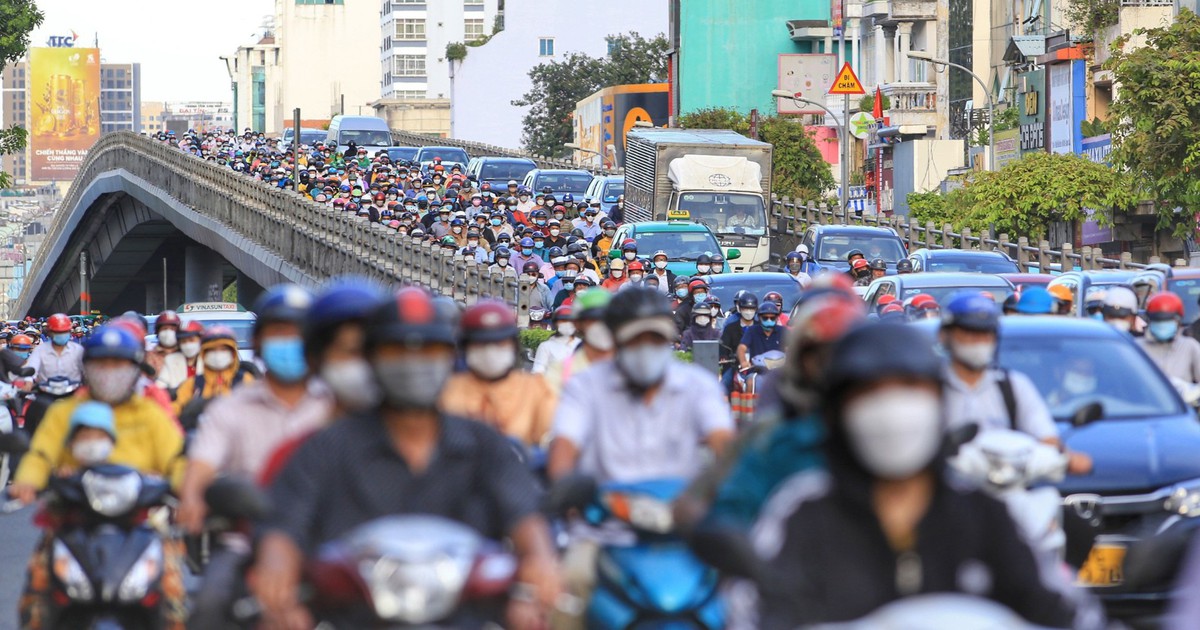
(17, 536)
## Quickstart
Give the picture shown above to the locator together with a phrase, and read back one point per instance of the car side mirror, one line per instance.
(733, 254)
(1087, 414)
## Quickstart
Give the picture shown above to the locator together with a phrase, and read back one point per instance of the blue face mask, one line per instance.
(681, 292)
(24, 354)
(1164, 331)
(526, 251)
(1098, 316)
(495, 221)
(698, 297)
(767, 324)
(284, 357)
(60, 339)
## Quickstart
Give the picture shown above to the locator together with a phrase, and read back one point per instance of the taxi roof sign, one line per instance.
(678, 215)
(211, 307)
(847, 82)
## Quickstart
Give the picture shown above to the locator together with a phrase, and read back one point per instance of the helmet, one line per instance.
(283, 303)
(190, 329)
(746, 299)
(880, 351)
(636, 265)
(718, 259)
(660, 253)
(878, 263)
(618, 264)
(1120, 302)
(704, 259)
(20, 342)
(166, 318)
(860, 264)
(682, 280)
(971, 311)
(409, 317)
(767, 307)
(564, 313)
(774, 296)
(591, 304)
(892, 312)
(526, 242)
(1062, 293)
(114, 342)
(530, 266)
(904, 265)
(629, 245)
(697, 284)
(1035, 301)
(639, 310)
(58, 323)
(555, 252)
(1163, 306)
(487, 321)
(568, 198)
(793, 256)
(342, 300)
(608, 224)
(854, 252)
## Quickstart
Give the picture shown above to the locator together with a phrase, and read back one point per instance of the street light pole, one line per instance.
(575, 147)
(924, 56)
(844, 135)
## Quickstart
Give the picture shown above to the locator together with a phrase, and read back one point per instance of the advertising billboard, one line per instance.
(808, 76)
(602, 119)
(1067, 106)
(1096, 149)
(64, 109)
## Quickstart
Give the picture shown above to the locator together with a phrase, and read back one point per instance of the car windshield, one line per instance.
(401, 154)
(311, 136)
(364, 137)
(563, 182)
(727, 213)
(1188, 290)
(612, 190)
(448, 154)
(725, 286)
(971, 264)
(834, 247)
(682, 246)
(942, 294)
(505, 170)
(243, 329)
(1109, 371)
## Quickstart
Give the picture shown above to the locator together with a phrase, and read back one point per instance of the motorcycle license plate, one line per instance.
(1104, 566)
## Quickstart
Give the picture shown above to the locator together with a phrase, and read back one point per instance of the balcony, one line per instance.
(900, 10)
(803, 30)
(912, 103)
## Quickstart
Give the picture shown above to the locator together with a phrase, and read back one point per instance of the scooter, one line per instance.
(656, 580)
(745, 380)
(8, 392)
(946, 611)
(44, 395)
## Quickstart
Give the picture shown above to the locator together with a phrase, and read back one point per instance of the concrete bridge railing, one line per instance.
(477, 149)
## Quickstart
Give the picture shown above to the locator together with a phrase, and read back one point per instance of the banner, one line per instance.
(64, 109)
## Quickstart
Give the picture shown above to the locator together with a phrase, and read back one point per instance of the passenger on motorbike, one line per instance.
(434, 463)
(762, 337)
(597, 342)
(562, 344)
(1177, 355)
(222, 372)
(860, 271)
(182, 365)
(794, 264)
(166, 328)
(697, 292)
(746, 306)
(704, 315)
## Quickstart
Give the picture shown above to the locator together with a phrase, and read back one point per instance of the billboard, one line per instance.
(807, 75)
(1067, 106)
(1095, 149)
(602, 119)
(64, 109)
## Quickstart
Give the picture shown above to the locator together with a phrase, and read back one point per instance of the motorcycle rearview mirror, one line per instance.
(573, 492)
(1087, 414)
(237, 499)
(14, 443)
(726, 550)
(1156, 560)
(26, 372)
(958, 436)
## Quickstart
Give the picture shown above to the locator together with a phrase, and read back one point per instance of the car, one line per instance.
(724, 286)
(1022, 280)
(1083, 283)
(308, 136)
(604, 190)
(561, 181)
(449, 156)
(228, 314)
(498, 171)
(683, 241)
(1186, 283)
(938, 284)
(961, 260)
(829, 245)
(402, 154)
(366, 132)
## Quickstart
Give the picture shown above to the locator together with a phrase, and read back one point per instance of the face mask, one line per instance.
(554, 232)
(895, 432)
(1122, 325)
(167, 338)
(644, 365)
(284, 358)
(111, 385)
(503, 262)
(630, 255)
(218, 359)
(702, 268)
(698, 297)
(1097, 316)
(610, 233)
(24, 354)
(456, 230)
(190, 348)
(548, 203)
(598, 337)
(635, 277)
(566, 329)
(352, 383)
(794, 267)
(60, 339)
(539, 244)
(527, 251)
(1077, 384)
(974, 355)
(412, 383)
(616, 273)
(660, 264)
(703, 321)
(492, 361)
(524, 197)
(1163, 331)
(92, 452)
(681, 292)
(747, 313)
(767, 324)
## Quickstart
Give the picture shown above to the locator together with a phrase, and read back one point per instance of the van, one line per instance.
(368, 132)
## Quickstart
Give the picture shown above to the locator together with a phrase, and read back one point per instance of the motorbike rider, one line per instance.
(697, 292)
(59, 358)
(180, 366)
(1177, 355)
(223, 371)
(597, 341)
(746, 306)
(666, 278)
(616, 275)
(166, 328)
(878, 268)
(562, 344)
(884, 523)
(1120, 309)
(493, 390)
(703, 326)
(13, 357)
(903, 266)
(765, 335)
(794, 267)
(1064, 299)
(435, 463)
(860, 271)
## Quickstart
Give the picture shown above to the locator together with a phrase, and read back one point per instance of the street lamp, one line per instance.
(844, 133)
(924, 56)
(575, 146)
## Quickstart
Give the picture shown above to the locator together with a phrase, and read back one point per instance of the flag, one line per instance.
(877, 111)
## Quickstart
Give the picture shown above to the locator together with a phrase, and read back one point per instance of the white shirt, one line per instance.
(553, 350)
(984, 405)
(49, 363)
(1178, 359)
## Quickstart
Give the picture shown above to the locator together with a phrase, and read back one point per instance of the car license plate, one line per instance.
(1104, 566)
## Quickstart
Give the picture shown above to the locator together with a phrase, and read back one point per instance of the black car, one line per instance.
(829, 245)
(402, 154)
(725, 285)
(971, 261)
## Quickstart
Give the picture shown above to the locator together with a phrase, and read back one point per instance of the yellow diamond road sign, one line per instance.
(847, 82)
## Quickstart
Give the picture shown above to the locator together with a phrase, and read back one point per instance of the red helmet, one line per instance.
(190, 329)
(564, 313)
(59, 323)
(859, 263)
(488, 320)
(636, 265)
(20, 342)
(697, 284)
(885, 299)
(923, 300)
(892, 308)
(1164, 305)
(166, 318)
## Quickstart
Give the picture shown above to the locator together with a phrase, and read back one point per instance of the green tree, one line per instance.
(867, 103)
(1093, 16)
(934, 207)
(1153, 122)
(17, 19)
(716, 118)
(556, 86)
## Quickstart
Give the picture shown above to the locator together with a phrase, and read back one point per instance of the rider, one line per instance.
(860, 271)
(1177, 355)
(429, 459)
(166, 328)
(616, 275)
(761, 337)
(904, 266)
(180, 366)
(597, 342)
(746, 305)
(794, 266)
(222, 372)
(562, 344)
(703, 326)
(492, 390)
(878, 268)
(59, 358)
(666, 278)
(1120, 308)
(697, 292)
(1064, 299)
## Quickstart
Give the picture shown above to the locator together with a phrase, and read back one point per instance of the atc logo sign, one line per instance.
(62, 41)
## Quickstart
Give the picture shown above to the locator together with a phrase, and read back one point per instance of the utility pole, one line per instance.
(296, 149)
(845, 160)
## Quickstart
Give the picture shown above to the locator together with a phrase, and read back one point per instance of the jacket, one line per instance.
(175, 371)
(212, 383)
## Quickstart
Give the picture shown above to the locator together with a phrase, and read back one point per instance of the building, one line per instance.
(495, 74)
(256, 82)
(414, 39)
(152, 116)
(199, 115)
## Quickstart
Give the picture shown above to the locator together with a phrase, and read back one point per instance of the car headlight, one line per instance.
(414, 592)
(143, 573)
(1184, 499)
(70, 574)
(111, 495)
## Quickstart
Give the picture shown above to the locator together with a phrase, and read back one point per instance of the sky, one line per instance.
(179, 44)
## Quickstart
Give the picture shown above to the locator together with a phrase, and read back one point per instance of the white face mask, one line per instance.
(92, 452)
(747, 313)
(617, 273)
(190, 348)
(635, 277)
(167, 338)
(218, 359)
(352, 382)
(1123, 325)
(645, 364)
(566, 329)
(974, 355)
(598, 336)
(1076, 384)
(491, 361)
(895, 432)
(703, 321)
(660, 264)
(701, 268)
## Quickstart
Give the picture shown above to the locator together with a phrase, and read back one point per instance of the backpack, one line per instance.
(1004, 382)
(189, 416)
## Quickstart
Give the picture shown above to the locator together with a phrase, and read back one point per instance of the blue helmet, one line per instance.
(971, 311)
(114, 342)
(793, 256)
(343, 300)
(1035, 301)
(768, 307)
(92, 415)
(526, 242)
(283, 303)
(568, 198)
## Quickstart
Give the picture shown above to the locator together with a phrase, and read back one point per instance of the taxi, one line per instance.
(228, 314)
(682, 239)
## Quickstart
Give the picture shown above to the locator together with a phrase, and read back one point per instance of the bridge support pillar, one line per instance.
(202, 275)
(247, 290)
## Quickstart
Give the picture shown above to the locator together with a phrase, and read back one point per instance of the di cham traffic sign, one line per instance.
(847, 82)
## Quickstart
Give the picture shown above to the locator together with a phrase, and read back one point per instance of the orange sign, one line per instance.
(64, 109)
(847, 82)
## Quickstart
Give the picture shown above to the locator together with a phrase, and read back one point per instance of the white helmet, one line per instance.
(1120, 302)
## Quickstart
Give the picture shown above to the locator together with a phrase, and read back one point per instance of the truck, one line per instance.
(716, 177)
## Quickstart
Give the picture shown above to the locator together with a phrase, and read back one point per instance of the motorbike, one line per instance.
(656, 580)
(44, 395)
(7, 426)
(745, 384)
(947, 611)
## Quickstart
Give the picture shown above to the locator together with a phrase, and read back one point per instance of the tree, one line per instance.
(17, 19)
(557, 86)
(1093, 16)
(1153, 118)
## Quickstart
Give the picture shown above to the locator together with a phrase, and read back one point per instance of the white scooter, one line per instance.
(946, 611)
(7, 425)
(1007, 464)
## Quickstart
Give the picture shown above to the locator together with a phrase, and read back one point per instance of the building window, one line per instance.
(473, 30)
(473, 2)
(408, 66)
(546, 47)
(410, 29)
(319, 2)
(409, 95)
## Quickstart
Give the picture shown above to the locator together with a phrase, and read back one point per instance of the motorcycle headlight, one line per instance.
(1184, 499)
(1003, 474)
(111, 495)
(70, 574)
(643, 512)
(143, 573)
(414, 592)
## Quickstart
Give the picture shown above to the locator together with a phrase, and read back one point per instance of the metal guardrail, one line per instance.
(476, 149)
(321, 242)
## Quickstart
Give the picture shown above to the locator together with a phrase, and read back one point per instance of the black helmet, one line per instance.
(854, 252)
(704, 259)
(878, 351)
(878, 263)
(745, 299)
(574, 248)
(577, 233)
(904, 265)
(411, 317)
(637, 310)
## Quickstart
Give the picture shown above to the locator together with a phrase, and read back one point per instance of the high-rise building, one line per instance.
(415, 35)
